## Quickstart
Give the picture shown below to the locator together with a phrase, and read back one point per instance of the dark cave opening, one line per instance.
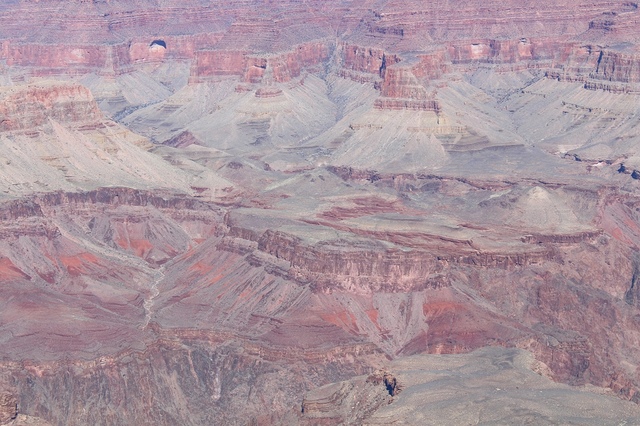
(158, 42)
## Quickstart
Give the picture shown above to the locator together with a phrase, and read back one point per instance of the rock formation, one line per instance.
(8, 408)
(244, 212)
(484, 386)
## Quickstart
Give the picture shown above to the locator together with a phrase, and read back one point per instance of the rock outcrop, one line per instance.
(458, 390)
(8, 408)
(55, 137)
(291, 194)
(33, 106)
(280, 67)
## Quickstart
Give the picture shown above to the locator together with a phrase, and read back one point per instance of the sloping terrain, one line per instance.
(212, 209)
(488, 386)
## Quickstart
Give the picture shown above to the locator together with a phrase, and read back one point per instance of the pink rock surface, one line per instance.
(335, 184)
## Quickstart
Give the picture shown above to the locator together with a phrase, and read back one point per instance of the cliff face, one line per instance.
(618, 67)
(175, 288)
(331, 289)
(329, 267)
(189, 383)
(98, 272)
(317, 188)
(279, 67)
(415, 78)
(54, 58)
(32, 108)
(220, 40)
(8, 408)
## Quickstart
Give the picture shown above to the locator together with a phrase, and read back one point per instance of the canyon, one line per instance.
(255, 212)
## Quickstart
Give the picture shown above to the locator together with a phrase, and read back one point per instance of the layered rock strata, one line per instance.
(339, 184)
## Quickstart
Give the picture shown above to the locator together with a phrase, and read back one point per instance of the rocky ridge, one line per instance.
(275, 206)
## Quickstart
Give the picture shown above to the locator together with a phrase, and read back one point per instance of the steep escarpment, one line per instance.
(280, 67)
(367, 269)
(32, 106)
(618, 66)
(231, 38)
(186, 290)
(190, 383)
(96, 273)
(8, 408)
(408, 56)
(227, 206)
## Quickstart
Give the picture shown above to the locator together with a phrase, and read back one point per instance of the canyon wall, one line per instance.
(317, 188)
(32, 108)
(279, 67)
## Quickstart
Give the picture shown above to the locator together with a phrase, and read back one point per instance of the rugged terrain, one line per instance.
(488, 386)
(210, 209)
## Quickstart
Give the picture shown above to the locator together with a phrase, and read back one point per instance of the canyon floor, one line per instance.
(313, 212)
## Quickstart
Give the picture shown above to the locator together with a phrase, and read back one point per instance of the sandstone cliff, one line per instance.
(290, 194)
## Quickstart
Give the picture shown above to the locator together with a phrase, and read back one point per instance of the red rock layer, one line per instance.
(32, 107)
(620, 67)
(238, 303)
(280, 67)
(248, 39)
